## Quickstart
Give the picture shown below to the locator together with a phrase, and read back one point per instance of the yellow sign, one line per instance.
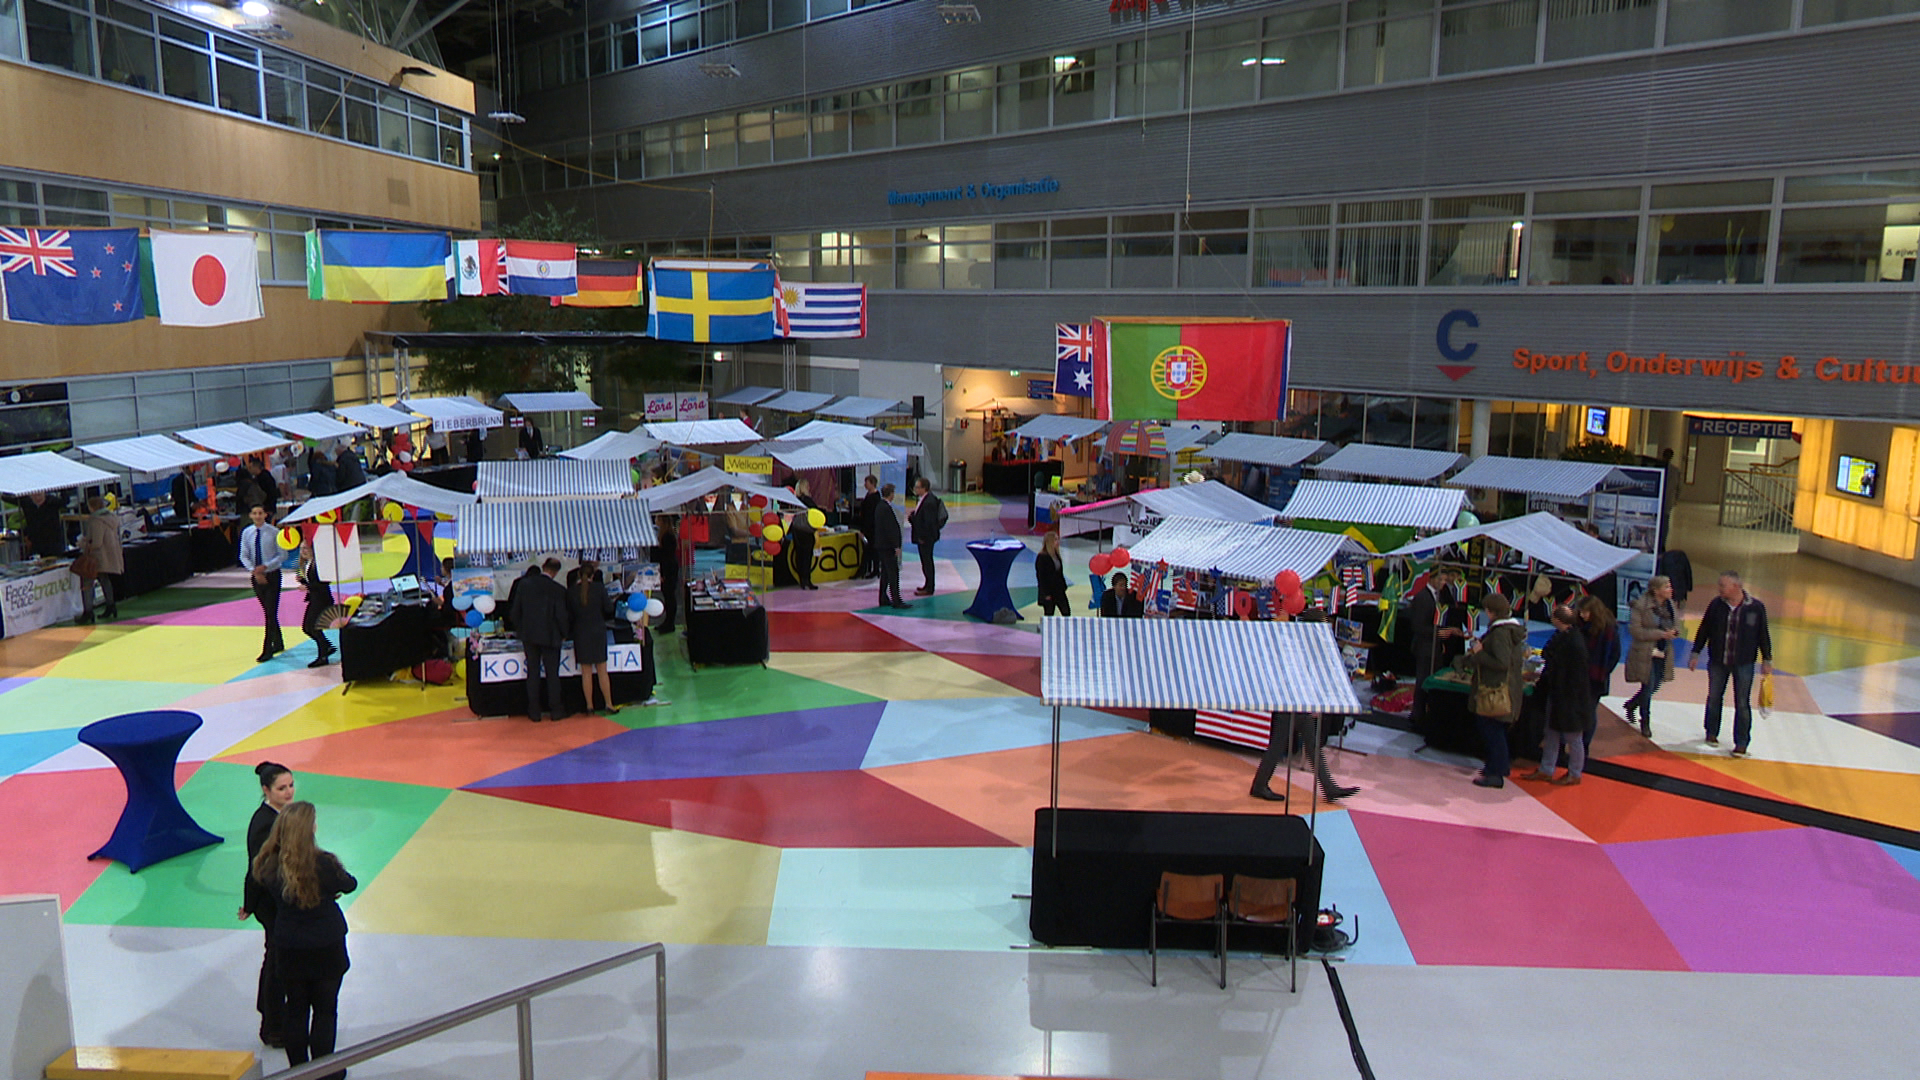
(738, 463)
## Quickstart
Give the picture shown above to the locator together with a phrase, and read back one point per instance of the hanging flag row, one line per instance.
(1175, 369)
(91, 277)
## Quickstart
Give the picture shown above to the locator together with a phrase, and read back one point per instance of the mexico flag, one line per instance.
(206, 278)
(1192, 369)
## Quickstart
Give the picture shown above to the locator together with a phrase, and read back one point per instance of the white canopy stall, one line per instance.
(150, 453)
(798, 401)
(26, 474)
(670, 497)
(613, 446)
(1540, 536)
(859, 408)
(1397, 505)
(378, 417)
(233, 440)
(549, 401)
(1274, 451)
(312, 425)
(1391, 463)
(747, 395)
(456, 413)
(697, 433)
(395, 487)
(1209, 499)
(1241, 551)
(1053, 427)
(836, 453)
(1563, 481)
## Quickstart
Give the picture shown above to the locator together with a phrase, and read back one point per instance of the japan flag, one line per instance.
(206, 278)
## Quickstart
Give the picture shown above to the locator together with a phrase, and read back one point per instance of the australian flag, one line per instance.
(71, 277)
(1073, 360)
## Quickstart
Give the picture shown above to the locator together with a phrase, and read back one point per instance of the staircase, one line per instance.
(1760, 497)
(132, 1063)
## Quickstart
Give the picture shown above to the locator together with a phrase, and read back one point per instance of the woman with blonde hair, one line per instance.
(309, 933)
(1050, 572)
(1652, 626)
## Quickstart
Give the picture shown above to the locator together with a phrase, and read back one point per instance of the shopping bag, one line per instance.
(1766, 694)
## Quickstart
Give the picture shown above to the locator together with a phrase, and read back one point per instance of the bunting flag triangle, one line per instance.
(345, 531)
(426, 530)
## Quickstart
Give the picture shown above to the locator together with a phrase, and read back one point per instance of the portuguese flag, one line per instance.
(1192, 369)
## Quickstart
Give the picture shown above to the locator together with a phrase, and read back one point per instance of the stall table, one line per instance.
(399, 637)
(497, 681)
(155, 562)
(29, 601)
(214, 547)
(996, 558)
(154, 826)
(725, 635)
(1449, 723)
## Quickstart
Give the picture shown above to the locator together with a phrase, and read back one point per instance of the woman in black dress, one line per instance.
(276, 793)
(310, 932)
(1050, 572)
(589, 605)
(319, 599)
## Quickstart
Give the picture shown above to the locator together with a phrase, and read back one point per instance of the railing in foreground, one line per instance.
(521, 1001)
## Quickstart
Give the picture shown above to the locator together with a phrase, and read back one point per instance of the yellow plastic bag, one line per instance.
(1766, 693)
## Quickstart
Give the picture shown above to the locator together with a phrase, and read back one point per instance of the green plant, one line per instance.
(1600, 451)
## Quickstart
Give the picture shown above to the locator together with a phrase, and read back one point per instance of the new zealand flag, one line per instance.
(71, 277)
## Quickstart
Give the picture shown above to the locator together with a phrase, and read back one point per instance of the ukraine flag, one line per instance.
(719, 300)
(377, 267)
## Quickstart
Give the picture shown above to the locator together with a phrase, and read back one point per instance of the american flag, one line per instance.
(1073, 359)
(46, 250)
(1353, 577)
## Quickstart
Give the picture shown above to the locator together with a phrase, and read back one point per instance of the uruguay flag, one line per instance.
(71, 277)
(542, 268)
(824, 310)
(721, 300)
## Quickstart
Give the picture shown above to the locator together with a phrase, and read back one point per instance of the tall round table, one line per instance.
(145, 746)
(995, 557)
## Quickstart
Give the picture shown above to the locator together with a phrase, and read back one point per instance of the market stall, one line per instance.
(552, 478)
(553, 401)
(459, 413)
(1610, 497)
(208, 536)
(1391, 463)
(613, 446)
(747, 395)
(1094, 868)
(233, 440)
(859, 408)
(313, 425)
(1240, 552)
(1209, 499)
(1333, 505)
(703, 434)
(797, 401)
(43, 591)
(1272, 451)
(377, 417)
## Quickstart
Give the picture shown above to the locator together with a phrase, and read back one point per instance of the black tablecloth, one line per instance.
(509, 698)
(1016, 477)
(726, 635)
(155, 563)
(1099, 889)
(403, 637)
(213, 548)
(1449, 724)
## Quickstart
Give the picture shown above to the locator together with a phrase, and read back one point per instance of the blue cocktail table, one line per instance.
(154, 827)
(995, 557)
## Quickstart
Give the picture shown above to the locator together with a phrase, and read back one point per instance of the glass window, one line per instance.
(1583, 251)
(1474, 253)
(755, 140)
(1147, 77)
(1727, 247)
(1719, 193)
(1888, 184)
(179, 31)
(1079, 87)
(831, 126)
(653, 43)
(423, 139)
(284, 100)
(1213, 250)
(967, 256)
(127, 57)
(1380, 256)
(626, 45)
(1389, 52)
(1490, 36)
(1579, 202)
(393, 131)
(716, 24)
(453, 147)
(1308, 64)
(186, 74)
(239, 88)
(1389, 421)
(324, 114)
(969, 104)
(1592, 27)
(916, 111)
(790, 132)
(872, 120)
(1822, 12)
(1143, 262)
(1020, 255)
(73, 198)
(10, 35)
(873, 259)
(750, 17)
(58, 38)
(139, 206)
(1024, 89)
(1849, 244)
(1077, 256)
(1707, 20)
(362, 126)
(289, 258)
(658, 152)
(789, 13)
(918, 258)
(683, 35)
(1226, 63)
(723, 142)
(246, 54)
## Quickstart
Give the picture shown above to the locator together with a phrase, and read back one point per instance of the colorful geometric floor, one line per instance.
(874, 787)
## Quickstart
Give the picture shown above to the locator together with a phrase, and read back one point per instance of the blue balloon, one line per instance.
(637, 597)
(462, 602)
(474, 619)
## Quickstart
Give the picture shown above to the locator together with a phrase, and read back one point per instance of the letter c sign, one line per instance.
(1444, 336)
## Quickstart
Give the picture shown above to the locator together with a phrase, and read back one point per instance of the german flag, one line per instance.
(606, 283)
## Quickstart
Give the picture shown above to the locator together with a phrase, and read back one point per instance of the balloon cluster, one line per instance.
(638, 605)
(1293, 600)
(1117, 559)
(767, 530)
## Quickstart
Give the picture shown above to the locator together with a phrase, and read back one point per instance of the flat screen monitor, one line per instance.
(406, 583)
(1858, 476)
(1597, 418)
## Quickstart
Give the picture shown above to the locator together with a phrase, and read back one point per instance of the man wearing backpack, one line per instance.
(929, 516)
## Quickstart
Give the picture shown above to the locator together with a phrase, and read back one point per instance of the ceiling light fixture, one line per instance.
(957, 14)
(254, 9)
(719, 71)
(1263, 61)
(506, 116)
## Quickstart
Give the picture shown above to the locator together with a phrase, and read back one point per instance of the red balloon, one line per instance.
(1287, 582)
(757, 501)
(756, 529)
(1099, 564)
(772, 547)
(1294, 603)
(1121, 557)
(769, 518)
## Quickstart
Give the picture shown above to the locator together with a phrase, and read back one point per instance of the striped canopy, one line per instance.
(1391, 462)
(1210, 499)
(1241, 551)
(613, 446)
(312, 425)
(150, 453)
(1532, 476)
(1271, 450)
(1145, 438)
(1193, 664)
(569, 525)
(233, 439)
(1376, 504)
(549, 477)
(24, 474)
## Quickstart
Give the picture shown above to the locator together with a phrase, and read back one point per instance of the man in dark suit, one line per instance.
(928, 518)
(886, 549)
(541, 619)
(1427, 634)
(869, 510)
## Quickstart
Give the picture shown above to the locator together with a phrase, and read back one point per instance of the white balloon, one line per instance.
(635, 614)
(483, 604)
(655, 608)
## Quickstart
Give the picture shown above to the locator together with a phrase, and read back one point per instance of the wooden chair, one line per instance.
(1268, 902)
(1189, 898)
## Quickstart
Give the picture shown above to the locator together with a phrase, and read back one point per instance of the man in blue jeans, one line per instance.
(1734, 633)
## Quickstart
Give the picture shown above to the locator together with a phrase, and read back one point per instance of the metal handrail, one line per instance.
(521, 1000)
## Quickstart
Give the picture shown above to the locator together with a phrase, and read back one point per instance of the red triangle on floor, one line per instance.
(1020, 672)
(843, 809)
(829, 631)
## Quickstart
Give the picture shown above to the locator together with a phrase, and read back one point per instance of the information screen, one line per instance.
(1858, 476)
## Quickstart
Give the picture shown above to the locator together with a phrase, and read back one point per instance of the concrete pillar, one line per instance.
(1482, 429)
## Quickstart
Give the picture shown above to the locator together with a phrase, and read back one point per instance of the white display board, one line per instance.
(662, 408)
(43, 599)
(512, 666)
(35, 1005)
(692, 406)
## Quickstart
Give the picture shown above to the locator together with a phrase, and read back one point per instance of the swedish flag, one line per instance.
(723, 300)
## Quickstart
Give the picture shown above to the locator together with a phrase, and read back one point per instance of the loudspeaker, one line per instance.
(919, 407)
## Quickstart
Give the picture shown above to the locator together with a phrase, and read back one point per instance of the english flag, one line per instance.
(206, 278)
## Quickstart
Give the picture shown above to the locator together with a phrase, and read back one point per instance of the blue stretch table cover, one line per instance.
(145, 746)
(995, 557)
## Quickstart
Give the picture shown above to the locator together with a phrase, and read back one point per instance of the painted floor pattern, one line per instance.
(874, 787)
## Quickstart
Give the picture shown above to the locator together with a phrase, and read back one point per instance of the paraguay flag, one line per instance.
(542, 268)
(723, 300)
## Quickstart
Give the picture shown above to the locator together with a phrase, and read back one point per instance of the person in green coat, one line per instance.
(1498, 657)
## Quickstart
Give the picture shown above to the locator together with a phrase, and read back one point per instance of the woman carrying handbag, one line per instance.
(1652, 625)
(1497, 662)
